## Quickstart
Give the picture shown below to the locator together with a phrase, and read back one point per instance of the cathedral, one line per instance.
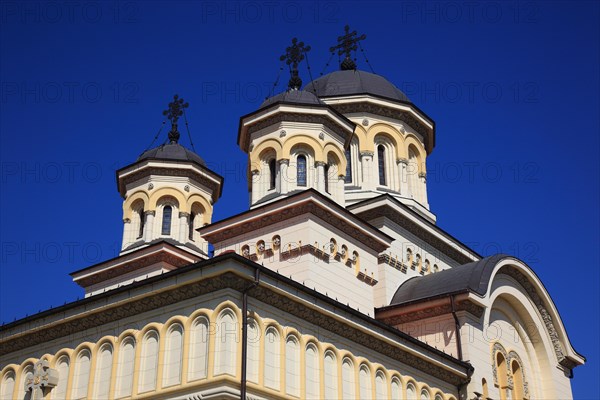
(336, 283)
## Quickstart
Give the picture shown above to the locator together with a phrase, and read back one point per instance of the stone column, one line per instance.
(423, 189)
(184, 226)
(403, 184)
(149, 225)
(126, 233)
(283, 179)
(366, 161)
(320, 176)
(340, 198)
(255, 186)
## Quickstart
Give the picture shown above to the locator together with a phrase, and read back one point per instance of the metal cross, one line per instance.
(43, 377)
(173, 113)
(346, 45)
(293, 55)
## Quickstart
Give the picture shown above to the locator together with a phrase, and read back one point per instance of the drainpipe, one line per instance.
(456, 330)
(245, 331)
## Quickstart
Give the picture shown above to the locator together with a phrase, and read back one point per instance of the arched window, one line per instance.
(60, 391)
(173, 356)
(166, 220)
(518, 384)
(191, 226)
(436, 268)
(142, 222)
(439, 397)
(364, 379)
(26, 373)
(424, 395)
(380, 386)
(198, 358)
(331, 376)
(411, 393)
(409, 256)
(502, 375)
(348, 381)
(381, 164)
(292, 366)
(125, 367)
(272, 355)
(149, 362)
(348, 178)
(396, 388)
(82, 375)
(426, 267)
(103, 372)
(226, 343)
(326, 173)
(301, 170)
(412, 170)
(8, 386)
(253, 353)
(312, 373)
(272, 173)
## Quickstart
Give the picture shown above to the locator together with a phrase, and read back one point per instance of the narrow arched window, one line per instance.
(198, 358)
(253, 354)
(173, 356)
(8, 386)
(272, 173)
(364, 380)
(484, 389)
(191, 226)
(103, 372)
(326, 173)
(272, 363)
(82, 375)
(348, 178)
(380, 386)
(395, 387)
(226, 343)
(348, 381)
(381, 163)
(26, 373)
(125, 368)
(424, 395)
(166, 220)
(292, 366)
(411, 393)
(518, 384)
(142, 221)
(149, 362)
(60, 391)
(313, 375)
(331, 376)
(301, 170)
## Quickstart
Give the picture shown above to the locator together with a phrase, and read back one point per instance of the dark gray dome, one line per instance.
(352, 82)
(293, 96)
(171, 151)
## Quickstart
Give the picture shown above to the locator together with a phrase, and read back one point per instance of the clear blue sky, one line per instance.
(513, 87)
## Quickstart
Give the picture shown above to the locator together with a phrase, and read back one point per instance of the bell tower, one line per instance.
(294, 141)
(168, 193)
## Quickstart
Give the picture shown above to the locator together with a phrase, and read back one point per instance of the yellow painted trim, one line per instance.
(306, 141)
(258, 150)
(167, 191)
(128, 203)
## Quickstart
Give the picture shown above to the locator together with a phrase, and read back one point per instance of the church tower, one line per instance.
(168, 193)
(295, 142)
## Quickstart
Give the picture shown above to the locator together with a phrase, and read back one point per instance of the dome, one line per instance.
(171, 151)
(293, 96)
(352, 82)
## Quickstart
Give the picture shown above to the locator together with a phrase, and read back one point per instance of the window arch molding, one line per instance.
(387, 169)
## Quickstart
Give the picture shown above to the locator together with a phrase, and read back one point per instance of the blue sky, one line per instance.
(513, 87)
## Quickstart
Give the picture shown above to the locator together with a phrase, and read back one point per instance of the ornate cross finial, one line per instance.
(173, 113)
(43, 377)
(346, 45)
(293, 55)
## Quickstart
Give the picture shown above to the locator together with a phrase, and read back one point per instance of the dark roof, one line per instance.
(472, 277)
(171, 151)
(344, 83)
(293, 96)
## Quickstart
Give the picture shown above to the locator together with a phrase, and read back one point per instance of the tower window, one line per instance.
(141, 230)
(166, 220)
(272, 173)
(326, 173)
(191, 226)
(381, 162)
(301, 170)
(348, 178)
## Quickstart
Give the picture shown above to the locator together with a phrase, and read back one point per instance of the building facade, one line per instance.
(336, 283)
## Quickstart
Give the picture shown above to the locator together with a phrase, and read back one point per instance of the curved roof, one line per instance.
(473, 277)
(352, 82)
(171, 151)
(293, 96)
